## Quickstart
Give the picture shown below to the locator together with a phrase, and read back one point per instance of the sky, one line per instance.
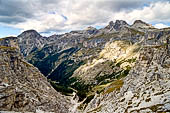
(60, 16)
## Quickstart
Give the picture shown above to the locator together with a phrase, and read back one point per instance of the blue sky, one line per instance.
(60, 16)
(8, 31)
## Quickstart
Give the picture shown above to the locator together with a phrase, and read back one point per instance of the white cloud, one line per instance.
(43, 22)
(64, 15)
(155, 12)
(160, 25)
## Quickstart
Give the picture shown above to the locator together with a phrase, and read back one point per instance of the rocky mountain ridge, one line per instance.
(89, 38)
(118, 68)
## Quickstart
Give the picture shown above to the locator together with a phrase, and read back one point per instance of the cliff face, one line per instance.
(23, 88)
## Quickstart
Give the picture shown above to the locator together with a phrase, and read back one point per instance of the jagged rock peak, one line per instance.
(111, 23)
(121, 22)
(91, 30)
(110, 26)
(117, 23)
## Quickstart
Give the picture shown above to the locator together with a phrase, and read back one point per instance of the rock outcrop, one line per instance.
(22, 87)
(9, 42)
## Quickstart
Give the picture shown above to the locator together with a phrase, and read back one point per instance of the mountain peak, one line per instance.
(117, 25)
(110, 26)
(141, 24)
(111, 23)
(31, 37)
(30, 32)
(121, 22)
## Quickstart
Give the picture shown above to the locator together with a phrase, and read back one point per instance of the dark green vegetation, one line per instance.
(9, 48)
(45, 61)
(61, 88)
(66, 68)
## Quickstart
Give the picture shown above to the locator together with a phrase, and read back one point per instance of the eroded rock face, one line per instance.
(23, 88)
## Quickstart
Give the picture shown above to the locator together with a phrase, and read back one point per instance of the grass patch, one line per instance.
(27, 64)
(10, 48)
(98, 89)
(116, 85)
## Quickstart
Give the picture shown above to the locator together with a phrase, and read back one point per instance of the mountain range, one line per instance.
(120, 68)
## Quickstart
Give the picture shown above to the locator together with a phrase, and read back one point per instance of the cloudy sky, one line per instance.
(59, 16)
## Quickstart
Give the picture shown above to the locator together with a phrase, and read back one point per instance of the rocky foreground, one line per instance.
(22, 87)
